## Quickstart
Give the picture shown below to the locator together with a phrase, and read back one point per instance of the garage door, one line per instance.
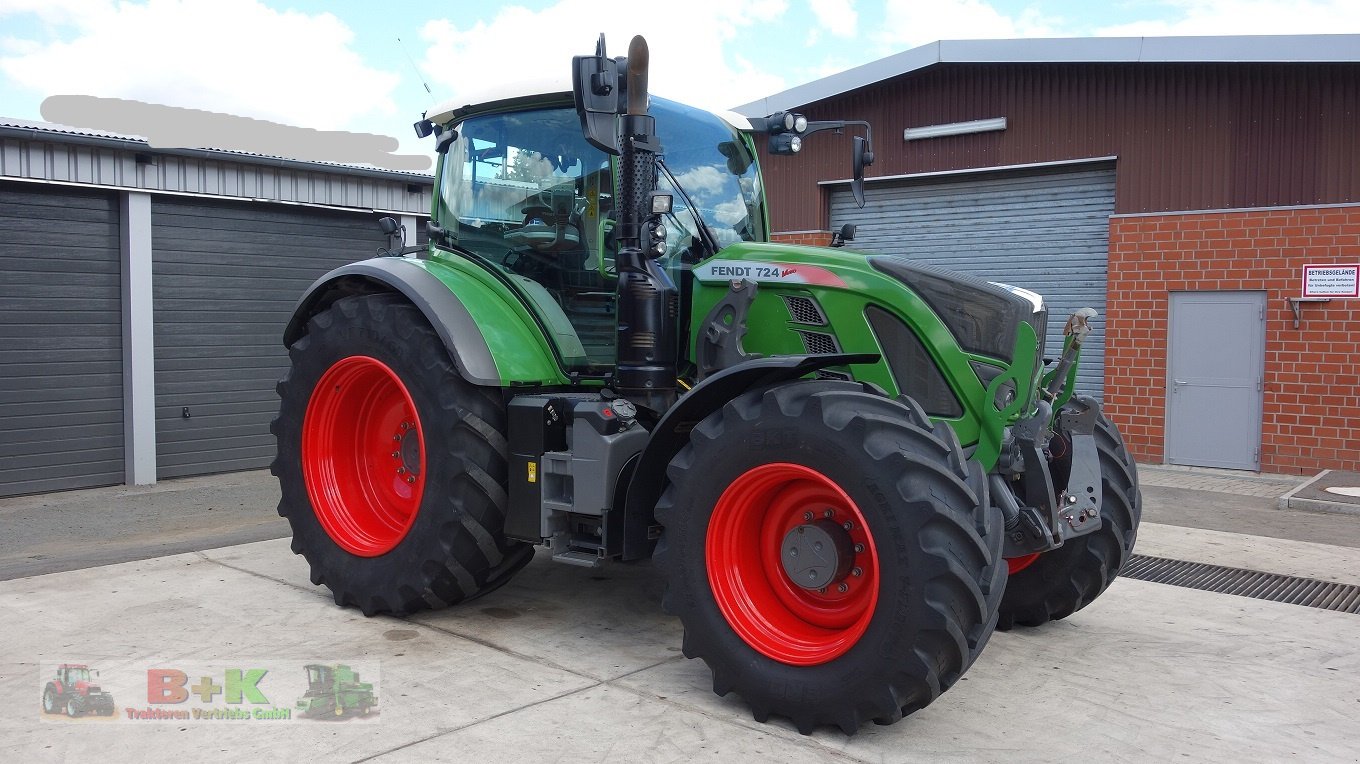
(226, 278)
(1047, 231)
(61, 383)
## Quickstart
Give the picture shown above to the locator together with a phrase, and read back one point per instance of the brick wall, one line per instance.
(805, 238)
(1311, 418)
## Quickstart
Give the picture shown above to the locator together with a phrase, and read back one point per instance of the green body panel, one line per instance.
(849, 285)
(523, 353)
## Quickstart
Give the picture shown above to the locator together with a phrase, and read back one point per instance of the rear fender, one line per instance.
(489, 333)
(672, 432)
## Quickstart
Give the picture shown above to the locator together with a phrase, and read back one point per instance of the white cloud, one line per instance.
(909, 23)
(235, 56)
(687, 45)
(1242, 17)
(835, 16)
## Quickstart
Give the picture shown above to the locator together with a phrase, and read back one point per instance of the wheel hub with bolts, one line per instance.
(817, 555)
(408, 452)
(792, 564)
(362, 454)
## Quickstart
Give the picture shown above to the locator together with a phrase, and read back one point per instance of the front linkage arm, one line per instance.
(1050, 517)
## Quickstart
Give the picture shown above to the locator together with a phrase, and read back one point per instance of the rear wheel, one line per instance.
(392, 467)
(831, 554)
(1053, 585)
(51, 703)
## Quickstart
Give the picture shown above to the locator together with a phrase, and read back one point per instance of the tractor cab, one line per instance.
(319, 679)
(71, 676)
(523, 190)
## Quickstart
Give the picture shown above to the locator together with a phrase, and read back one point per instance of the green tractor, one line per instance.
(849, 468)
(334, 691)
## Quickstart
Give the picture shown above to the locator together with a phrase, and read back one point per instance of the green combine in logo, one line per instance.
(334, 691)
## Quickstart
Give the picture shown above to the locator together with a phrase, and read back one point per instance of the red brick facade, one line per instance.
(1311, 419)
(804, 238)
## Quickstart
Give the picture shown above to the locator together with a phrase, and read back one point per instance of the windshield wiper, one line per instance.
(705, 235)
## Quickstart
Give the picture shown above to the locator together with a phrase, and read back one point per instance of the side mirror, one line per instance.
(864, 156)
(847, 233)
(445, 139)
(737, 161)
(395, 233)
(595, 87)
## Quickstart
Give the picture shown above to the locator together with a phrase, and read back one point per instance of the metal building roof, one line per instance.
(1324, 48)
(31, 130)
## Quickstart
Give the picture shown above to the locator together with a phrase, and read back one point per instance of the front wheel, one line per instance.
(72, 710)
(1053, 585)
(831, 553)
(393, 468)
(51, 704)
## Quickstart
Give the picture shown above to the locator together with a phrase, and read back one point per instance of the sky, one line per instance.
(363, 67)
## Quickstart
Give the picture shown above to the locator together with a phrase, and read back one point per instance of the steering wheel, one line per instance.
(546, 227)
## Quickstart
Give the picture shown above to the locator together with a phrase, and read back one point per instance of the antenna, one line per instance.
(414, 68)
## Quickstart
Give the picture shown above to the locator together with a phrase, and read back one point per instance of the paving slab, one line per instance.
(1328, 491)
(187, 607)
(1220, 481)
(570, 663)
(1235, 550)
(1147, 673)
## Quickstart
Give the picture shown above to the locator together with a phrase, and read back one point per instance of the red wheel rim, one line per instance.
(762, 604)
(363, 456)
(1017, 564)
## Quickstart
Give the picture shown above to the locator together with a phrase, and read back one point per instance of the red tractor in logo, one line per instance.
(73, 691)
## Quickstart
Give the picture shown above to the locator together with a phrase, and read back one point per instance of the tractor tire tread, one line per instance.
(1067, 579)
(951, 534)
(465, 554)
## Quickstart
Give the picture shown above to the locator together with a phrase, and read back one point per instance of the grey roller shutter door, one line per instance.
(226, 279)
(1045, 230)
(61, 368)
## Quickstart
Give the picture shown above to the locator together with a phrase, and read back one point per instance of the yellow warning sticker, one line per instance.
(533, 472)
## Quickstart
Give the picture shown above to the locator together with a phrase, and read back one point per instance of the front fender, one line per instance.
(489, 333)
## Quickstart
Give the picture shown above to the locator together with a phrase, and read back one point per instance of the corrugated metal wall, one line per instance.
(1045, 231)
(225, 280)
(1188, 136)
(61, 368)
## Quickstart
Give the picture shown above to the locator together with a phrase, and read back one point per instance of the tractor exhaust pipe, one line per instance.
(647, 298)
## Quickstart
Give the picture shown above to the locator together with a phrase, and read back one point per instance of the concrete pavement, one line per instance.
(578, 664)
(54, 532)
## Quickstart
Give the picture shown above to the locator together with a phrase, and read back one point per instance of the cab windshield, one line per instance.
(525, 192)
(712, 163)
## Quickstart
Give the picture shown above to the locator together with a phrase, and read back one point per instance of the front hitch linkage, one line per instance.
(1048, 519)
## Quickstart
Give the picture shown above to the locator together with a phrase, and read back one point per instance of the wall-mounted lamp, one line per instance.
(954, 128)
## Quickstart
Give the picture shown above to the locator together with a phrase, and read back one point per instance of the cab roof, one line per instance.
(523, 93)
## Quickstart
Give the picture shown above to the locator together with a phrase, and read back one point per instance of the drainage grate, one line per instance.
(1327, 595)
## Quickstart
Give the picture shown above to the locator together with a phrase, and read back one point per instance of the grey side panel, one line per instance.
(61, 369)
(1047, 231)
(445, 312)
(226, 278)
